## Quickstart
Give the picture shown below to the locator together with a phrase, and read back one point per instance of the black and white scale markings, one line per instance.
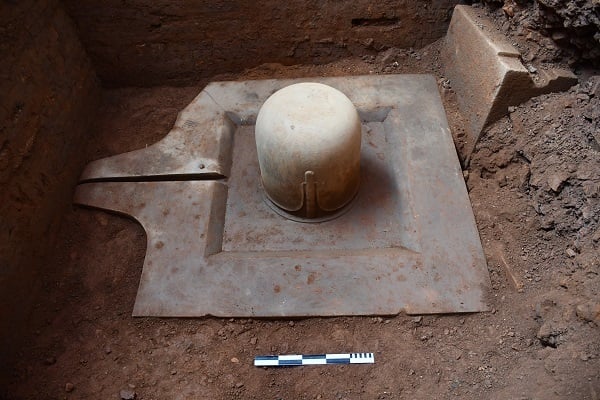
(313, 359)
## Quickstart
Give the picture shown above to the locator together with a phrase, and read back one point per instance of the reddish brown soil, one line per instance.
(540, 341)
(162, 42)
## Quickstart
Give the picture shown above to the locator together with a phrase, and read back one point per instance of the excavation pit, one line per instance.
(408, 243)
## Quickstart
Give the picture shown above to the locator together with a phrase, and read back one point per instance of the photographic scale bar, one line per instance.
(313, 359)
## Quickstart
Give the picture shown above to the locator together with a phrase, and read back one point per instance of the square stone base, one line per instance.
(408, 243)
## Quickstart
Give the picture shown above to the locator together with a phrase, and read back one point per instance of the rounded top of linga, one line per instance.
(308, 138)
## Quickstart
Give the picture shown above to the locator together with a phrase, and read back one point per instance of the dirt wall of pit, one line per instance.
(48, 91)
(166, 42)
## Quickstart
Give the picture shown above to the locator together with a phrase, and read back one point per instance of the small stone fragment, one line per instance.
(509, 10)
(235, 360)
(389, 56)
(564, 282)
(69, 387)
(127, 394)
(570, 252)
(589, 311)
(50, 361)
(558, 36)
(253, 340)
(368, 43)
(556, 181)
(550, 335)
(593, 85)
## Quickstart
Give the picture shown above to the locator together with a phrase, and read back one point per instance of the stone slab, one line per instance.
(408, 244)
(486, 72)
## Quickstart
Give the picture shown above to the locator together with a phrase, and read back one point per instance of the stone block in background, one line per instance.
(486, 72)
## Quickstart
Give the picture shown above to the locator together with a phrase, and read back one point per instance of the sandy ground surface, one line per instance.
(534, 184)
